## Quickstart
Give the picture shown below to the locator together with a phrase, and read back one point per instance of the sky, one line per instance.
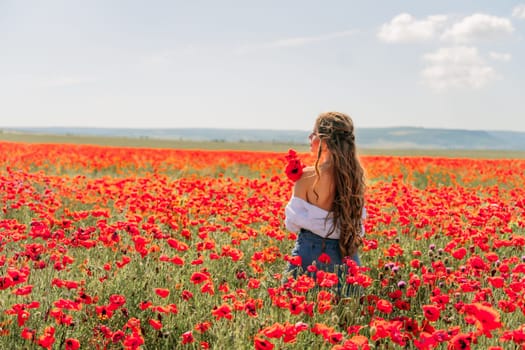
(272, 64)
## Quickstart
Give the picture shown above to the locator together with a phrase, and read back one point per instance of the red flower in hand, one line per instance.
(294, 168)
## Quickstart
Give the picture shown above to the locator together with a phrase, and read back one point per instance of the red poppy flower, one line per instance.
(178, 245)
(125, 260)
(497, 281)
(68, 304)
(326, 279)
(117, 336)
(25, 290)
(293, 260)
(5, 282)
(486, 317)
(47, 339)
(162, 292)
(22, 317)
(156, 324)
(459, 253)
(144, 305)
(133, 341)
(187, 337)
(262, 344)
(324, 258)
(294, 167)
(507, 306)
(460, 341)
(116, 301)
(208, 288)
(177, 260)
(322, 329)
(186, 295)
(173, 309)
(335, 337)
(254, 283)
(358, 342)
(202, 327)
(384, 306)
(223, 311)
(103, 311)
(274, 331)
(28, 334)
(431, 312)
(72, 344)
(425, 341)
(198, 277)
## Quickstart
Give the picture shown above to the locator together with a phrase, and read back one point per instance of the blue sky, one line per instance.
(262, 64)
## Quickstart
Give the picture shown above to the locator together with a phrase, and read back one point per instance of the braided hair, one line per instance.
(337, 130)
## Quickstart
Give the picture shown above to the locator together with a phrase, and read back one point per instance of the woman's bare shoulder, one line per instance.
(308, 171)
(301, 186)
(308, 174)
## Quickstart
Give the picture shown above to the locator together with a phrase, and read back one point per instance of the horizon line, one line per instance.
(247, 129)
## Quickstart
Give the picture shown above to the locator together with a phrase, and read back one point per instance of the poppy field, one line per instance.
(142, 248)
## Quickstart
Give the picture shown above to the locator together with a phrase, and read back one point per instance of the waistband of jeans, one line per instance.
(316, 236)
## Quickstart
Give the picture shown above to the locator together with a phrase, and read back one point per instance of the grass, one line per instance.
(247, 146)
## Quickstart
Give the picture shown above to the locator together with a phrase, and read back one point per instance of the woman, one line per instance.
(327, 204)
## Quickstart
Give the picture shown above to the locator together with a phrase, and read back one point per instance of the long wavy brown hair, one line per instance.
(337, 131)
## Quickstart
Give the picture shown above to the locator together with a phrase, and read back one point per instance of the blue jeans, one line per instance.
(309, 247)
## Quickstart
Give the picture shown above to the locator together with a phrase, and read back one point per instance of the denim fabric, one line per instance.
(309, 247)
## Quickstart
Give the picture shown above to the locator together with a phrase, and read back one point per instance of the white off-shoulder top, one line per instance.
(301, 214)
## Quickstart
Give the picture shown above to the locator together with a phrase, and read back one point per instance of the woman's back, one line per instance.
(319, 193)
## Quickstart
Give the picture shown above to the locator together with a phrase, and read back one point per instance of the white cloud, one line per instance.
(500, 56)
(456, 67)
(405, 28)
(519, 11)
(294, 42)
(478, 26)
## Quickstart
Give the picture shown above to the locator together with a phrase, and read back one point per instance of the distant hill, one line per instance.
(380, 138)
(423, 138)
